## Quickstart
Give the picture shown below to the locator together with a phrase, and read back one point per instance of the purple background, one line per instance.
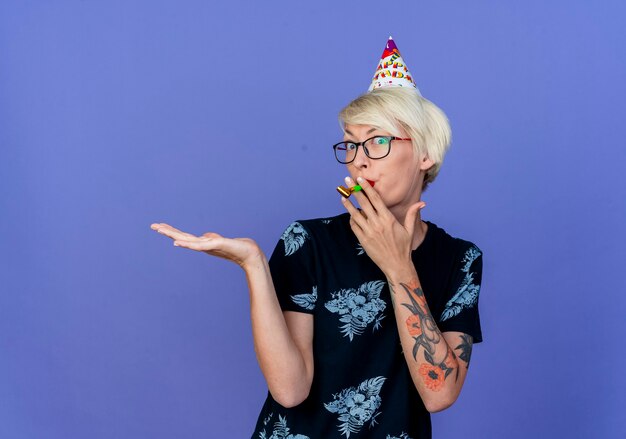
(220, 117)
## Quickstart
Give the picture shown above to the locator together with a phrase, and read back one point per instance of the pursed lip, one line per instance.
(371, 182)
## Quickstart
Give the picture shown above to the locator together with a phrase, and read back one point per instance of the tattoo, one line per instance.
(422, 327)
(466, 348)
(420, 323)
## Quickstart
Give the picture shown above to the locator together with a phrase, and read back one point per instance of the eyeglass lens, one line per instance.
(375, 148)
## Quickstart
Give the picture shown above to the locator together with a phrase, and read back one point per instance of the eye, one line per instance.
(350, 146)
(381, 140)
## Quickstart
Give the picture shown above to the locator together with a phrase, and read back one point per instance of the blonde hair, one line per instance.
(394, 108)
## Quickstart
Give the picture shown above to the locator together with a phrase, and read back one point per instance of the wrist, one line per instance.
(256, 260)
(402, 272)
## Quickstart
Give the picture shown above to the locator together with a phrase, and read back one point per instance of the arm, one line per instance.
(437, 373)
(283, 342)
(438, 362)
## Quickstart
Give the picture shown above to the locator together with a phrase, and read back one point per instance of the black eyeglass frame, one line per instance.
(357, 144)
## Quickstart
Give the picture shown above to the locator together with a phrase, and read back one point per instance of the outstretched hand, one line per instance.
(387, 242)
(242, 251)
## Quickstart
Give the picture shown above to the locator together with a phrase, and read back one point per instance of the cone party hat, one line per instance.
(392, 70)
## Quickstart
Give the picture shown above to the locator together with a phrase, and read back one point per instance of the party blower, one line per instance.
(346, 192)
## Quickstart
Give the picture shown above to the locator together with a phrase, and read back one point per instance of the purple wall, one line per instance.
(220, 117)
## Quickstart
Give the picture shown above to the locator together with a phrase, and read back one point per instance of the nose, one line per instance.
(361, 160)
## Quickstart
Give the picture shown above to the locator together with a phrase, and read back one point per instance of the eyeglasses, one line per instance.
(376, 147)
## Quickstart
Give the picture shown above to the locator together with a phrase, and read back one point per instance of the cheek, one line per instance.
(402, 170)
(400, 178)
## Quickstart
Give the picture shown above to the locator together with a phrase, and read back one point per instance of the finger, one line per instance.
(364, 202)
(372, 195)
(355, 214)
(411, 216)
(212, 235)
(198, 244)
(164, 226)
(358, 231)
(172, 232)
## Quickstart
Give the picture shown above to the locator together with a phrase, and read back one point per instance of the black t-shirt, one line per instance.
(361, 385)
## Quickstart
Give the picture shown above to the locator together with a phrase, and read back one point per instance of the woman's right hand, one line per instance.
(242, 251)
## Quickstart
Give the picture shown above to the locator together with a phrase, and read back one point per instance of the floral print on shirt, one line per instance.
(467, 294)
(358, 308)
(357, 405)
(294, 237)
(306, 301)
(360, 250)
(281, 430)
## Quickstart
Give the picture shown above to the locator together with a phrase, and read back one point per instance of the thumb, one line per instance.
(411, 215)
(211, 235)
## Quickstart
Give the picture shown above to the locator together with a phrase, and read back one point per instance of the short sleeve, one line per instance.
(461, 309)
(292, 266)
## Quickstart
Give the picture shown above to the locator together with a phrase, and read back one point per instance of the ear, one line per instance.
(426, 163)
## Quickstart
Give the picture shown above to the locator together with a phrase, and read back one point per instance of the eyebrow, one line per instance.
(368, 132)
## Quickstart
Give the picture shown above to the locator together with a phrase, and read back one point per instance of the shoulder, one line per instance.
(318, 227)
(314, 233)
(453, 246)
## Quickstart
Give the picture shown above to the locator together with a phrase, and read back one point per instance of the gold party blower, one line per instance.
(346, 192)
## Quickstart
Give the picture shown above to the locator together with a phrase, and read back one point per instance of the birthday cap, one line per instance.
(391, 70)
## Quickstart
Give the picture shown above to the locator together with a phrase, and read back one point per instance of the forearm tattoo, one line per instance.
(466, 349)
(422, 327)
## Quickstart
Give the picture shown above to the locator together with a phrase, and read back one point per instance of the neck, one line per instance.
(420, 232)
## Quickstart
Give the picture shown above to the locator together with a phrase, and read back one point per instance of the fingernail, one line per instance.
(360, 179)
(347, 180)
(176, 244)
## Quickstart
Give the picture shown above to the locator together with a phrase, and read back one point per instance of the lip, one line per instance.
(371, 182)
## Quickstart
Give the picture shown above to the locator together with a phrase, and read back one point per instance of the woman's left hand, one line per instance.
(387, 242)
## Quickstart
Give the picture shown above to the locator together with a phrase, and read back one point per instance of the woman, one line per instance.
(363, 323)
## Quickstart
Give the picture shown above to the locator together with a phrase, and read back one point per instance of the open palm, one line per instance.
(238, 250)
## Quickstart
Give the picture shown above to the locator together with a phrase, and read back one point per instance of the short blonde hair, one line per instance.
(395, 108)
